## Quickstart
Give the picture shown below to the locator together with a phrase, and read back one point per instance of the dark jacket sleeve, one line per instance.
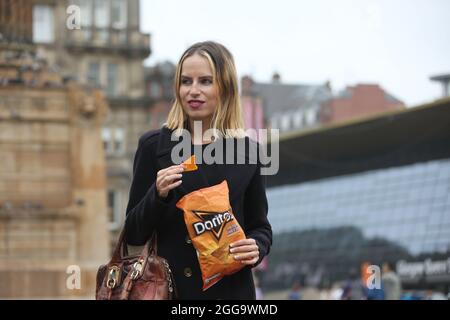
(255, 208)
(145, 207)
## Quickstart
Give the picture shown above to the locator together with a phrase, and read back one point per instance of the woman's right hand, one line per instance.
(167, 179)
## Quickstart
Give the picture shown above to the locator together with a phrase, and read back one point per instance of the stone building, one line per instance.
(53, 207)
(104, 48)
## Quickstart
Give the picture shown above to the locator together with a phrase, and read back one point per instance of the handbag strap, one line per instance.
(121, 249)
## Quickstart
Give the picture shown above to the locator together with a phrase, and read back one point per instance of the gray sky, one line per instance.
(396, 43)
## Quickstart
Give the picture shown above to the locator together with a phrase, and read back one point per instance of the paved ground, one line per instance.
(306, 294)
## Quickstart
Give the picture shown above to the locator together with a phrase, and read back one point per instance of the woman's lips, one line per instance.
(195, 103)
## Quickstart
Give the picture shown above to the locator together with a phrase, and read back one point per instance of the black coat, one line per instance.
(147, 211)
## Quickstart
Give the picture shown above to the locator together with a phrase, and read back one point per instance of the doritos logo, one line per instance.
(212, 221)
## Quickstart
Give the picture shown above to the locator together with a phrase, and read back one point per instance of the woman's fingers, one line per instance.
(247, 255)
(243, 242)
(245, 248)
(171, 186)
(165, 179)
(170, 170)
(168, 183)
(246, 251)
(247, 258)
(250, 262)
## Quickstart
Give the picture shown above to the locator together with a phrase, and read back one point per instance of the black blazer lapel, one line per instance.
(164, 148)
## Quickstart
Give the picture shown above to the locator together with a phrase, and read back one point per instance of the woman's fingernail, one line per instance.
(231, 250)
(236, 257)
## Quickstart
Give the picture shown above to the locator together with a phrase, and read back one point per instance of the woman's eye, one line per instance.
(185, 81)
(207, 81)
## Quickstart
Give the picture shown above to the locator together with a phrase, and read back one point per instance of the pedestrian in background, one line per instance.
(391, 282)
(294, 294)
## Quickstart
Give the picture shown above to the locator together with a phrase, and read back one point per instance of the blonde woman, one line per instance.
(207, 97)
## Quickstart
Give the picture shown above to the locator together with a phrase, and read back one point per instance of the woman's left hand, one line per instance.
(246, 251)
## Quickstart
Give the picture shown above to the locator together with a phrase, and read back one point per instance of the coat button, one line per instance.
(188, 240)
(187, 272)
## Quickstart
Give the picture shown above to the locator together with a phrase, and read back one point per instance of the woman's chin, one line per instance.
(197, 116)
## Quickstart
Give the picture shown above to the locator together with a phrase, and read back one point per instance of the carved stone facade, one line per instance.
(108, 52)
(53, 206)
(16, 21)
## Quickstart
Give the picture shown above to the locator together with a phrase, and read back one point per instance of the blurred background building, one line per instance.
(283, 106)
(294, 107)
(53, 210)
(371, 191)
(159, 87)
(355, 102)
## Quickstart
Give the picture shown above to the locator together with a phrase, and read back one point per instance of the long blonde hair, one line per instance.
(228, 114)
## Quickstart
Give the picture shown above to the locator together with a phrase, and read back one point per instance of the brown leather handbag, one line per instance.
(140, 277)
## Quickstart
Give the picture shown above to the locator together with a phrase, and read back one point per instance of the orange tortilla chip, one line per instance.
(190, 164)
(212, 228)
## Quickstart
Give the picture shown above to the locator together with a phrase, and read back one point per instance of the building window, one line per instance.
(298, 119)
(166, 88)
(111, 88)
(86, 13)
(113, 141)
(122, 37)
(87, 34)
(43, 24)
(102, 36)
(94, 73)
(285, 119)
(274, 123)
(114, 208)
(155, 89)
(310, 117)
(107, 140)
(102, 13)
(119, 141)
(119, 14)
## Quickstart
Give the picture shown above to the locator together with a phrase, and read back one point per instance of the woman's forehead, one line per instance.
(196, 65)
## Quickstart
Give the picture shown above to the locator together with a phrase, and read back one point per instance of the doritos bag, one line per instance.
(212, 228)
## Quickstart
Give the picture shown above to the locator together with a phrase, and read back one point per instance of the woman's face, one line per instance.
(198, 92)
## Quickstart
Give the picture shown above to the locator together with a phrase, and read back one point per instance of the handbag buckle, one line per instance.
(137, 269)
(113, 277)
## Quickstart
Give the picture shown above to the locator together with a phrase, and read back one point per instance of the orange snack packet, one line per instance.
(212, 228)
(190, 164)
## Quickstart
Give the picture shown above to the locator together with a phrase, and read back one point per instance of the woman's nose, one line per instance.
(194, 90)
